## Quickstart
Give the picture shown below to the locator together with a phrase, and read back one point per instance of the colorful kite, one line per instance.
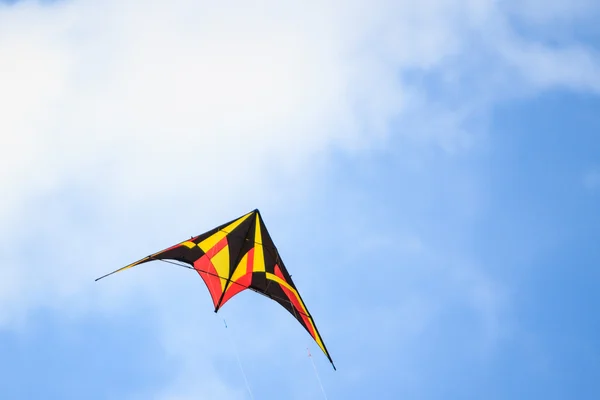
(240, 255)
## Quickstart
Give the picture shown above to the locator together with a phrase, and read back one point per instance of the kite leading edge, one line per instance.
(239, 255)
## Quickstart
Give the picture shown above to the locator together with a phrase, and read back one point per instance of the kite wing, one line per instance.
(239, 255)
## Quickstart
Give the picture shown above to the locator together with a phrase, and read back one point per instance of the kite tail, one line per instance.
(317, 373)
(239, 361)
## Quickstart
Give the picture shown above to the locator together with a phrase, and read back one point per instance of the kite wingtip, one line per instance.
(103, 276)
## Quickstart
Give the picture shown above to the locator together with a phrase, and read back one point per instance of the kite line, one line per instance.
(316, 373)
(238, 359)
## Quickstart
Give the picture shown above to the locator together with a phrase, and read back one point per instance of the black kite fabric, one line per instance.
(239, 255)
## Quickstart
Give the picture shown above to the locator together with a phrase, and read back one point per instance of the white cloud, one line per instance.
(196, 109)
(573, 67)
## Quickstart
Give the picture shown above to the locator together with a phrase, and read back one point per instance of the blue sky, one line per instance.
(430, 174)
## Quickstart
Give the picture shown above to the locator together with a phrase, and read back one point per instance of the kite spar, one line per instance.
(236, 256)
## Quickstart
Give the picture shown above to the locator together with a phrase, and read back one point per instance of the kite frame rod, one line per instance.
(237, 283)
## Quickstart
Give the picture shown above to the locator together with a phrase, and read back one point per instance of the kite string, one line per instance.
(317, 373)
(238, 359)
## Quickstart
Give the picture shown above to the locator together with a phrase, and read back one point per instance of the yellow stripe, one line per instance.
(129, 266)
(240, 270)
(277, 279)
(209, 242)
(259, 255)
(188, 244)
(221, 263)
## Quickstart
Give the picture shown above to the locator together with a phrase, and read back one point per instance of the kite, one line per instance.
(236, 256)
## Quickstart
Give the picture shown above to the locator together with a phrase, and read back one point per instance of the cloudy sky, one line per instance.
(430, 172)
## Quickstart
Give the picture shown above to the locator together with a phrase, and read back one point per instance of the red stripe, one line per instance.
(205, 268)
(213, 251)
(295, 302)
(179, 244)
